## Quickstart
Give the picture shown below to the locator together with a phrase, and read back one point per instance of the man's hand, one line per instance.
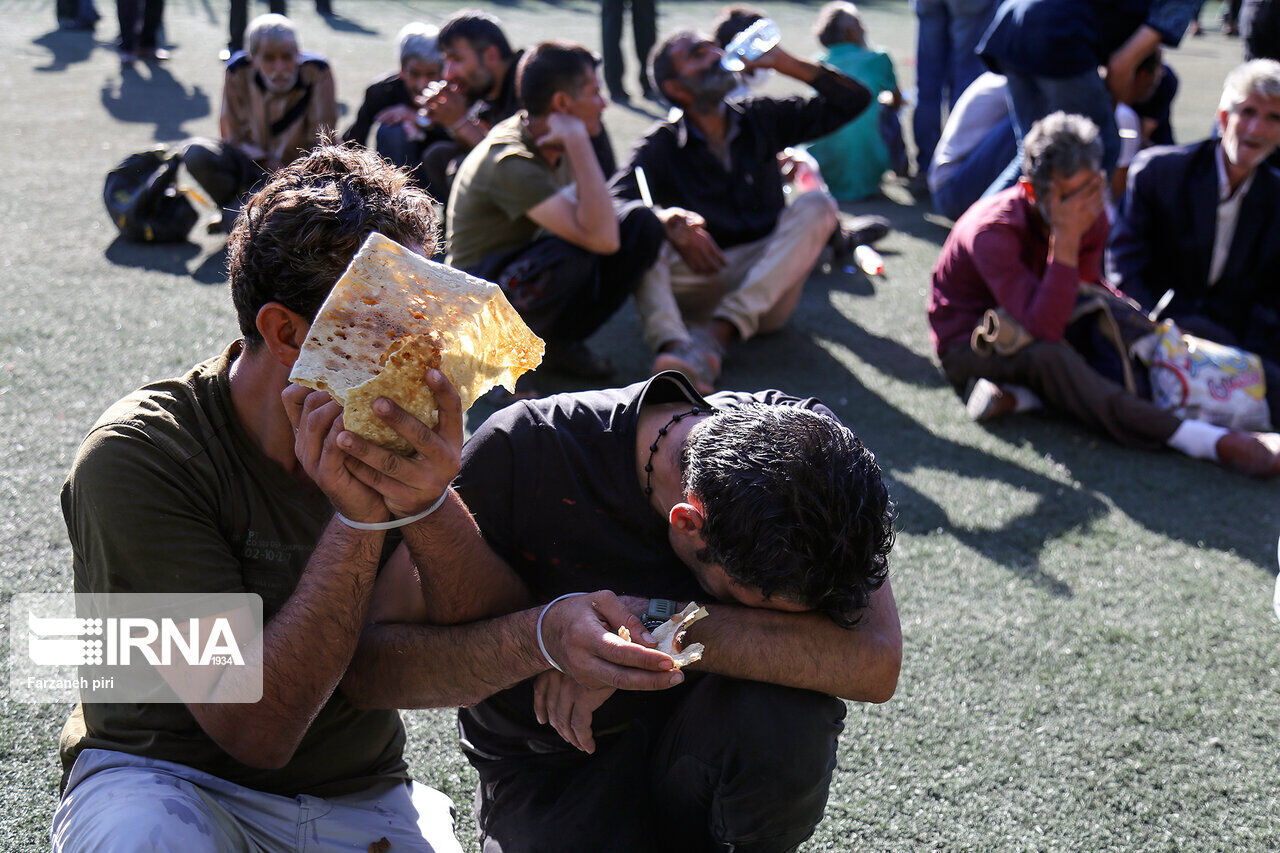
(687, 231)
(568, 707)
(562, 131)
(397, 114)
(317, 423)
(448, 105)
(1070, 217)
(410, 484)
(580, 634)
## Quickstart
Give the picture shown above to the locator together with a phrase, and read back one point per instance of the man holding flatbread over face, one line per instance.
(761, 507)
(229, 479)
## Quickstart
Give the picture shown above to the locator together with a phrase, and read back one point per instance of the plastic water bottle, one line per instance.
(869, 260)
(750, 44)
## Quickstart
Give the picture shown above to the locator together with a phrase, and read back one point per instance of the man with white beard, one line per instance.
(277, 102)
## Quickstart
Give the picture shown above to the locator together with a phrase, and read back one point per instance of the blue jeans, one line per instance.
(1033, 98)
(966, 183)
(947, 35)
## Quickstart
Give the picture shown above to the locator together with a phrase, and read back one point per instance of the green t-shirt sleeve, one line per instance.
(888, 81)
(519, 182)
(138, 523)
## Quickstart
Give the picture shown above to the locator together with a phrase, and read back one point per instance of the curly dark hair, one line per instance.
(795, 506)
(297, 234)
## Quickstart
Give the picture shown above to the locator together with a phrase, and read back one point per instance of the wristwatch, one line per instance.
(658, 611)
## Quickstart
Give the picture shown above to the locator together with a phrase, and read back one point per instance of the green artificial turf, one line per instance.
(1091, 658)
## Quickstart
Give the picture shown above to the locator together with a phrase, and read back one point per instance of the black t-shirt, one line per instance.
(552, 484)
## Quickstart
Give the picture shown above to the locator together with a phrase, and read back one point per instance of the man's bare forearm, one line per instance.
(805, 650)
(462, 578)
(429, 666)
(300, 672)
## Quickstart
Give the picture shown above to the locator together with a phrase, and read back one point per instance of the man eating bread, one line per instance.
(602, 506)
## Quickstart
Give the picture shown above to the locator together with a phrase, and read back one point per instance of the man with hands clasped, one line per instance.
(226, 480)
(601, 507)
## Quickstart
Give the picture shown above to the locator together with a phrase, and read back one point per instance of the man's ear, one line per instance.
(1028, 188)
(560, 102)
(491, 57)
(687, 517)
(676, 92)
(283, 331)
(1223, 115)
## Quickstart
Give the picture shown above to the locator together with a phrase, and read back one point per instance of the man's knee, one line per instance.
(781, 738)
(201, 155)
(761, 768)
(123, 810)
(815, 209)
(640, 230)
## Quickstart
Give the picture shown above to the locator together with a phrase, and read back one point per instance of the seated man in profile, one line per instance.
(737, 255)
(277, 103)
(397, 104)
(1027, 250)
(761, 507)
(1201, 222)
(530, 210)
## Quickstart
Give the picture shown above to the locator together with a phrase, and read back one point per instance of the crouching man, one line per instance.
(608, 509)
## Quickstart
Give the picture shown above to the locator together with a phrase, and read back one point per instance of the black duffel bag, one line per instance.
(144, 203)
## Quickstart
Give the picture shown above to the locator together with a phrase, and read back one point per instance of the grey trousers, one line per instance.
(116, 802)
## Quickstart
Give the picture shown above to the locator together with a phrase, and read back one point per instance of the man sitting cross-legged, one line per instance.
(1201, 221)
(1027, 250)
(530, 210)
(277, 103)
(761, 507)
(222, 480)
(738, 255)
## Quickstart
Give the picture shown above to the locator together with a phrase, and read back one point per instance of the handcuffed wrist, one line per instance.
(538, 630)
(395, 522)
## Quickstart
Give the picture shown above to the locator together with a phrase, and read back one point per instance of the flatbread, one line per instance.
(670, 633)
(394, 315)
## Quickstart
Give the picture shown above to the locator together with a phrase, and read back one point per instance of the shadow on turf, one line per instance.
(1188, 500)
(149, 94)
(67, 47)
(171, 258)
(903, 444)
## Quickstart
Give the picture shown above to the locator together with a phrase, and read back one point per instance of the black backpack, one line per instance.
(144, 203)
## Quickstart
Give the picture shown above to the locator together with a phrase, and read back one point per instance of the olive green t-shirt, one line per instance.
(496, 184)
(168, 493)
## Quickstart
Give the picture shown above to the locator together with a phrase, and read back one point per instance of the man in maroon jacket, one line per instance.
(1027, 250)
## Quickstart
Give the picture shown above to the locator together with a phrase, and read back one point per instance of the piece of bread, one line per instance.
(394, 315)
(671, 633)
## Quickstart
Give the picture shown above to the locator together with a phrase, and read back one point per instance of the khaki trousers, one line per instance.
(758, 287)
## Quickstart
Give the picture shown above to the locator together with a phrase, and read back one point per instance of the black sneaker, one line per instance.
(865, 230)
(576, 359)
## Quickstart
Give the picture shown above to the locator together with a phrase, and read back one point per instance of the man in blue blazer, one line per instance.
(1202, 220)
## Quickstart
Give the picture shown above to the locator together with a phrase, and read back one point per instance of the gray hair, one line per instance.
(270, 29)
(419, 41)
(1059, 145)
(1259, 77)
(833, 19)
